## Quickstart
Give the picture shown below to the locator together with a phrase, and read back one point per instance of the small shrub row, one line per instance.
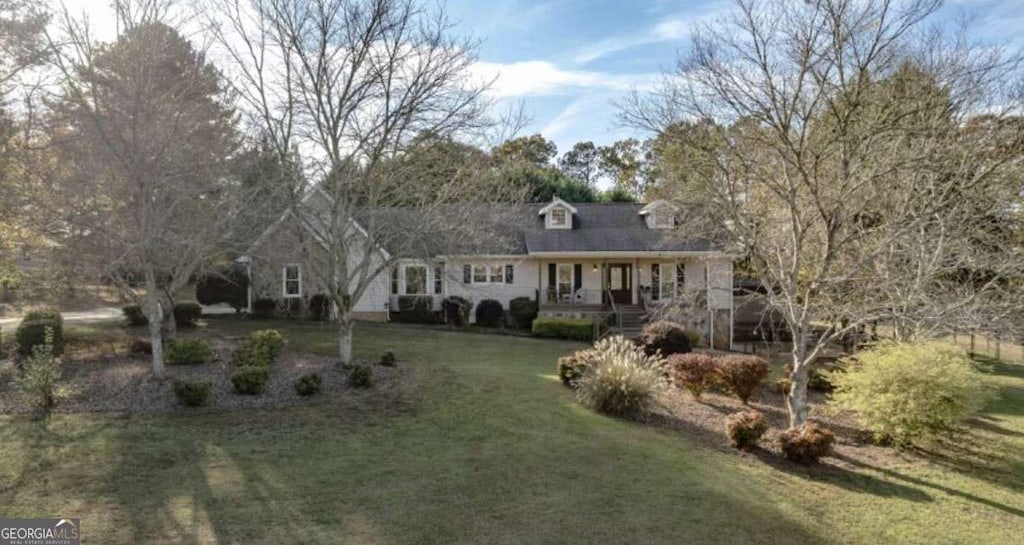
(416, 309)
(740, 375)
(523, 311)
(186, 314)
(187, 352)
(573, 329)
(455, 310)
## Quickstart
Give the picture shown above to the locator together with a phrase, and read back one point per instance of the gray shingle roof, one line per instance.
(611, 227)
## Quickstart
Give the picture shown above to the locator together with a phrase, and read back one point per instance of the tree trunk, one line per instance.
(155, 314)
(345, 326)
(796, 402)
(169, 326)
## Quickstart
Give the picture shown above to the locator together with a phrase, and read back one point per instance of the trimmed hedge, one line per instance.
(741, 375)
(32, 331)
(455, 310)
(250, 380)
(361, 376)
(320, 307)
(264, 307)
(694, 371)
(666, 337)
(135, 315)
(308, 384)
(187, 313)
(523, 311)
(416, 309)
(192, 392)
(490, 313)
(573, 329)
(187, 352)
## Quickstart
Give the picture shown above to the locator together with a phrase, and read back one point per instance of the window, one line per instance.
(439, 279)
(292, 281)
(487, 274)
(655, 281)
(394, 280)
(415, 280)
(558, 216)
(479, 274)
(668, 284)
(680, 278)
(497, 274)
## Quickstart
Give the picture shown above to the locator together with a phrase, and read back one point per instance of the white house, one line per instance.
(574, 259)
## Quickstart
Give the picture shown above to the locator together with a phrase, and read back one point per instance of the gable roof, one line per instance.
(556, 201)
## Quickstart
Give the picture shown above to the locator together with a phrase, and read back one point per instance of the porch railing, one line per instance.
(552, 296)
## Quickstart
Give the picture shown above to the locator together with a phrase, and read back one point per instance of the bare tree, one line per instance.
(143, 134)
(351, 84)
(829, 148)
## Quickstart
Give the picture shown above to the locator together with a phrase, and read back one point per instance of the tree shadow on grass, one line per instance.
(938, 487)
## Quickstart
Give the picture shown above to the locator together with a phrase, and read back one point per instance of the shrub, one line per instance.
(572, 367)
(783, 386)
(187, 313)
(819, 382)
(490, 313)
(228, 286)
(308, 384)
(188, 352)
(361, 376)
(740, 374)
(416, 309)
(320, 307)
(805, 445)
(39, 375)
(264, 308)
(140, 346)
(250, 380)
(667, 337)
(693, 371)
(523, 311)
(573, 329)
(135, 315)
(745, 429)
(456, 310)
(192, 392)
(388, 359)
(624, 381)
(904, 392)
(269, 342)
(33, 331)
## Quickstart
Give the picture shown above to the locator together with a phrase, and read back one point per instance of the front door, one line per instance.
(620, 282)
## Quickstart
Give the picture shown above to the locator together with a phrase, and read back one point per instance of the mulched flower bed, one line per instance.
(125, 383)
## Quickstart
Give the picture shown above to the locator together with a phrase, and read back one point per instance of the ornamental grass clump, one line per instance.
(906, 392)
(624, 381)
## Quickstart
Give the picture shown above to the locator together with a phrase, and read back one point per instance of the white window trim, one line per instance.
(284, 281)
(549, 218)
(488, 268)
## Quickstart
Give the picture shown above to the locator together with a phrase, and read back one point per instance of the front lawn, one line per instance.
(481, 444)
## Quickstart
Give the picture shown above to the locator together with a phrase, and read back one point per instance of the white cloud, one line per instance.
(540, 78)
(669, 29)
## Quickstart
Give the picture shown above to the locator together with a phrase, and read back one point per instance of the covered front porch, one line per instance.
(598, 283)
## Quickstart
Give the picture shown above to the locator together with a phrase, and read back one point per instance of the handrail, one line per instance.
(615, 312)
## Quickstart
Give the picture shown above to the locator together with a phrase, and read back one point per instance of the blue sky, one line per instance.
(568, 60)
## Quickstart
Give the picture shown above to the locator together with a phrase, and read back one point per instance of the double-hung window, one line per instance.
(415, 280)
(292, 276)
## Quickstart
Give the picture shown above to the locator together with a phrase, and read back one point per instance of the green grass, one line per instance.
(482, 445)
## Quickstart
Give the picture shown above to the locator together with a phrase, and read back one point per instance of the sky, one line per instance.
(568, 61)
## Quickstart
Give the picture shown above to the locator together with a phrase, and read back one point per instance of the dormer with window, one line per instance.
(558, 214)
(660, 215)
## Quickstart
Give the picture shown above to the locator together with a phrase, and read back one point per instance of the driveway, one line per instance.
(105, 314)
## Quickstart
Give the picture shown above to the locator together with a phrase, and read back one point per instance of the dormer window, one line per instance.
(558, 214)
(659, 215)
(558, 217)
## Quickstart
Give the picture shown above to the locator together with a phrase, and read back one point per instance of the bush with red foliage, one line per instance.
(694, 371)
(805, 445)
(745, 429)
(741, 374)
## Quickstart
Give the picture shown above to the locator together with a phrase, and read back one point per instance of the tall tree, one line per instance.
(146, 137)
(628, 164)
(533, 149)
(351, 83)
(837, 163)
(582, 162)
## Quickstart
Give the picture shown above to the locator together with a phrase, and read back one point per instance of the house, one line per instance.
(599, 260)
